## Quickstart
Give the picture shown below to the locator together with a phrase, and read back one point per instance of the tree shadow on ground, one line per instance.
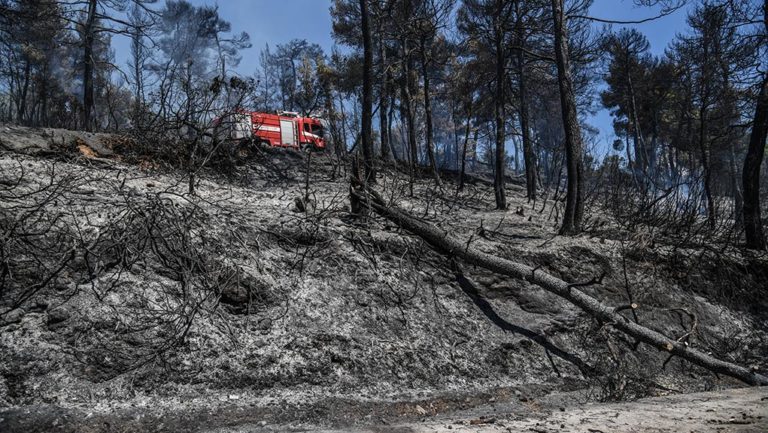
(470, 288)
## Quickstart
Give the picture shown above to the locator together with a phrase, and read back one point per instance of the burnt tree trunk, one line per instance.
(341, 149)
(366, 133)
(574, 200)
(738, 196)
(498, 178)
(462, 173)
(428, 114)
(22, 105)
(384, 100)
(390, 117)
(529, 156)
(407, 108)
(706, 166)
(88, 38)
(753, 224)
(637, 134)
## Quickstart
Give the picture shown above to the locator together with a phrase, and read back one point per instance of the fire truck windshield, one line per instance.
(318, 130)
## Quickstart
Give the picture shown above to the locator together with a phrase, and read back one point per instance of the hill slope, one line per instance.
(233, 301)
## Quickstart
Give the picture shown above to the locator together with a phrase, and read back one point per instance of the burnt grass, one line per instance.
(233, 307)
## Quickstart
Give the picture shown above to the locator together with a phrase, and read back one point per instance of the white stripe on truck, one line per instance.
(268, 128)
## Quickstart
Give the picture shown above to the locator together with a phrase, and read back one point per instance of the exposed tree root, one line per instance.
(453, 247)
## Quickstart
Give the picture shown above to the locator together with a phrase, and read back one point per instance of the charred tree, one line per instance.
(384, 76)
(529, 156)
(499, 160)
(408, 110)
(428, 113)
(366, 133)
(753, 224)
(462, 172)
(88, 65)
(574, 200)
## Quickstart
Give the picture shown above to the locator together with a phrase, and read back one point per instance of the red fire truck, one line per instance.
(284, 129)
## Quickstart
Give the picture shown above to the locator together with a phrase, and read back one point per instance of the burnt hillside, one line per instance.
(262, 298)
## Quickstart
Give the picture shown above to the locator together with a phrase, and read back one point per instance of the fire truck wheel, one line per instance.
(244, 150)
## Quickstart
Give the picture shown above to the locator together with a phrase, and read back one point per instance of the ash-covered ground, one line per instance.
(260, 300)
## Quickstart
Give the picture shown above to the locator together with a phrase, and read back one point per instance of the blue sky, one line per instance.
(275, 22)
(659, 32)
(271, 22)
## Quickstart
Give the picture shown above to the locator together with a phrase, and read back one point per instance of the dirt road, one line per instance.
(737, 410)
(741, 410)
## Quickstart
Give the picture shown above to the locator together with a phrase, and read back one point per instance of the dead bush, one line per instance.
(38, 243)
(171, 235)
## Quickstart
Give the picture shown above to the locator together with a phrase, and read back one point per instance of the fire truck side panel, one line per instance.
(266, 127)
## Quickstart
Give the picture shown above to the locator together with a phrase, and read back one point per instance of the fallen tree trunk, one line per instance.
(453, 247)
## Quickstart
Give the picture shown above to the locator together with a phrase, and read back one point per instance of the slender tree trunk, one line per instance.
(705, 86)
(574, 201)
(455, 155)
(22, 105)
(529, 156)
(390, 116)
(753, 225)
(139, 77)
(341, 150)
(498, 178)
(516, 157)
(462, 173)
(653, 156)
(88, 66)
(366, 133)
(12, 92)
(628, 149)
(705, 164)
(330, 113)
(738, 197)
(43, 118)
(292, 87)
(383, 98)
(413, 129)
(731, 142)
(267, 72)
(428, 115)
(672, 165)
(407, 105)
(637, 136)
(404, 136)
(88, 38)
